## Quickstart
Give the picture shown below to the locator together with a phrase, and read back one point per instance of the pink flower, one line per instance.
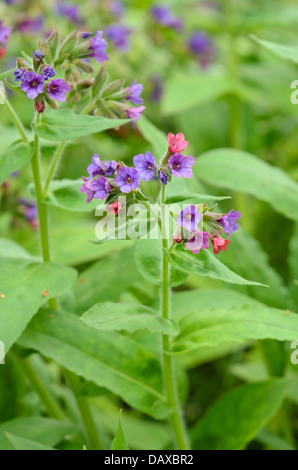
(220, 244)
(177, 142)
(198, 241)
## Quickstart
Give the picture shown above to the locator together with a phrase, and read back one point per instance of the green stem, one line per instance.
(86, 413)
(16, 120)
(176, 418)
(53, 166)
(42, 209)
(52, 406)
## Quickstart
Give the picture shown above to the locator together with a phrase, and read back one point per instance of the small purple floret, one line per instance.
(33, 85)
(20, 75)
(181, 166)
(119, 35)
(146, 166)
(96, 168)
(189, 218)
(229, 222)
(96, 189)
(58, 88)
(128, 179)
(48, 72)
(98, 47)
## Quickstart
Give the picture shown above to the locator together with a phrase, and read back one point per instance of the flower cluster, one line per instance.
(5, 32)
(30, 212)
(118, 178)
(164, 16)
(198, 226)
(201, 45)
(37, 82)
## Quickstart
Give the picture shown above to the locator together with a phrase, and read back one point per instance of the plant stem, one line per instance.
(52, 406)
(86, 413)
(16, 120)
(176, 418)
(42, 208)
(56, 158)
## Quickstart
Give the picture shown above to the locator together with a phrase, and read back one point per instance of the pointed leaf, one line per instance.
(243, 172)
(20, 443)
(119, 443)
(26, 286)
(66, 125)
(109, 359)
(235, 419)
(110, 316)
(14, 157)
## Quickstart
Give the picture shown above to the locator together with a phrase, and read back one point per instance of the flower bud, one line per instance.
(39, 104)
(69, 44)
(84, 66)
(113, 87)
(52, 44)
(51, 102)
(100, 80)
(22, 63)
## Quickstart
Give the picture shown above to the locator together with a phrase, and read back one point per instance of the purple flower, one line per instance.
(181, 166)
(20, 75)
(117, 8)
(33, 85)
(38, 56)
(201, 45)
(135, 114)
(189, 218)
(96, 168)
(135, 91)
(164, 16)
(111, 168)
(29, 25)
(128, 179)
(119, 35)
(146, 166)
(58, 88)
(163, 176)
(229, 222)
(98, 47)
(96, 189)
(158, 89)
(86, 35)
(71, 11)
(48, 72)
(198, 241)
(30, 209)
(5, 32)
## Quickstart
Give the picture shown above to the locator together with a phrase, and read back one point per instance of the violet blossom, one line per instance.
(198, 241)
(58, 88)
(119, 35)
(98, 47)
(229, 222)
(181, 166)
(189, 218)
(128, 179)
(96, 189)
(146, 166)
(33, 85)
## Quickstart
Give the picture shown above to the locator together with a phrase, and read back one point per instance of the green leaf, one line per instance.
(194, 198)
(238, 258)
(186, 92)
(201, 328)
(14, 157)
(281, 50)
(206, 264)
(243, 172)
(45, 431)
(235, 419)
(11, 249)
(108, 359)
(293, 262)
(66, 195)
(20, 443)
(5, 74)
(110, 316)
(154, 136)
(119, 443)
(148, 255)
(24, 284)
(272, 441)
(116, 273)
(66, 125)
